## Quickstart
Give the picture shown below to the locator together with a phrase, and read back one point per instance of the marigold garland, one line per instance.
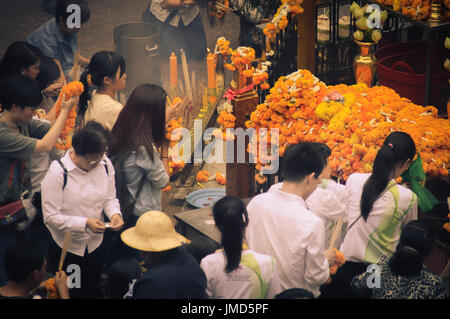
(69, 90)
(339, 261)
(50, 287)
(280, 21)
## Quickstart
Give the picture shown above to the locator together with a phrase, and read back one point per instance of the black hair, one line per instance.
(120, 275)
(19, 55)
(89, 141)
(61, 10)
(416, 242)
(300, 160)
(106, 133)
(230, 216)
(22, 258)
(103, 63)
(20, 90)
(324, 150)
(48, 72)
(398, 148)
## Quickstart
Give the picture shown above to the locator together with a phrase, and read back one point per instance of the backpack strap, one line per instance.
(105, 164)
(65, 173)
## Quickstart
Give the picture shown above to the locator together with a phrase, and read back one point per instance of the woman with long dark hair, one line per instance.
(237, 272)
(104, 77)
(377, 208)
(139, 133)
(404, 274)
(21, 58)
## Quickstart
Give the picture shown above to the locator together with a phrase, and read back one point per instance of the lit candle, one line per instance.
(173, 70)
(211, 68)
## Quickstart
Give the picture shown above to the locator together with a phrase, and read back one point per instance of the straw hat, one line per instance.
(154, 231)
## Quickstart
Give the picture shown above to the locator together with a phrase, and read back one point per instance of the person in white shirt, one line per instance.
(236, 272)
(377, 208)
(281, 225)
(75, 192)
(324, 202)
(106, 72)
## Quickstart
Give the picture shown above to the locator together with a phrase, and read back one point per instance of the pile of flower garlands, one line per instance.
(68, 91)
(352, 120)
(280, 21)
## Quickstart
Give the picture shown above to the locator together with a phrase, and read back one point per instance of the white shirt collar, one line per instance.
(276, 190)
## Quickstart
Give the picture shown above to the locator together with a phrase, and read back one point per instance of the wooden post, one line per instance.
(306, 22)
(241, 176)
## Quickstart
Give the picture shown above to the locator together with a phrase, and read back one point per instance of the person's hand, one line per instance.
(95, 225)
(61, 284)
(53, 89)
(330, 254)
(173, 110)
(70, 103)
(116, 222)
(171, 4)
(188, 3)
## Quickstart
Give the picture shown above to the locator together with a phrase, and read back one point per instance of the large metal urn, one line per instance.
(138, 43)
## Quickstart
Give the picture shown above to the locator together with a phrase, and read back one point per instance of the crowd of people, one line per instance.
(99, 202)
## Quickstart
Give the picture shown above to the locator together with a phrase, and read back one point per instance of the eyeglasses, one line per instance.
(94, 162)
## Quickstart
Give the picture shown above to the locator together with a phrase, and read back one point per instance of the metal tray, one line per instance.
(205, 197)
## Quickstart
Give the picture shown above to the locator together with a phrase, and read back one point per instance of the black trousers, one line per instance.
(90, 266)
(340, 287)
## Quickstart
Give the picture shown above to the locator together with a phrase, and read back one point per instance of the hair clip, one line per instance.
(89, 79)
(391, 146)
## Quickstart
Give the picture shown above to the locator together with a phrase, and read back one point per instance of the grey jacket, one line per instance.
(139, 165)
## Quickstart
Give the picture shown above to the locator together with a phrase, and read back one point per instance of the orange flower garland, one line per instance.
(223, 47)
(280, 21)
(50, 287)
(69, 90)
(339, 261)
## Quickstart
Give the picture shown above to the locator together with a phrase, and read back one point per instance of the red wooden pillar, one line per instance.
(241, 176)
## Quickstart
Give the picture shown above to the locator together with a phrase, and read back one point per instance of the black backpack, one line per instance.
(126, 200)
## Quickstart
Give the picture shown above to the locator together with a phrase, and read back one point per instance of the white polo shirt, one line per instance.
(255, 278)
(85, 195)
(281, 226)
(103, 109)
(367, 240)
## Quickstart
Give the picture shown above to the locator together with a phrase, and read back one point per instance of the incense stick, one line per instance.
(67, 239)
(336, 231)
(186, 75)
